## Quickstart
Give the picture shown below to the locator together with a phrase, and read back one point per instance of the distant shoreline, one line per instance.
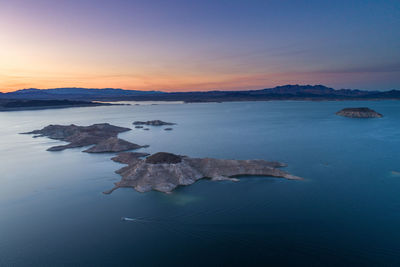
(144, 102)
(285, 92)
(46, 107)
(289, 99)
(21, 105)
(155, 102)
(158, 102)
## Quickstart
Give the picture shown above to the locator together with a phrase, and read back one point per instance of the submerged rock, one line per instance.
(103, 136)
(395, 173)
(165, 171)
(168, 129)
(359, 113)
(153, 123)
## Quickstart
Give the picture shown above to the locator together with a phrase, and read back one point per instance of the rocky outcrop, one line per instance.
(103, 136)
(153, 123)
(359, 113)
(113, 144)
(163, 157)
(165, 171)
(126, 157)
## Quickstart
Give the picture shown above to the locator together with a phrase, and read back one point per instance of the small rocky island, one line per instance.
(102, 136)
(359, 113)
(165, 171)
(153, 123)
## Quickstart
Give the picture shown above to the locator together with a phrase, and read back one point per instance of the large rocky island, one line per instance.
(103, 136)
(161, 171)
(165, 171)
(359, 113)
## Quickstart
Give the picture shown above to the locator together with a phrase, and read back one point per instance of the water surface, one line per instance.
(346, 211)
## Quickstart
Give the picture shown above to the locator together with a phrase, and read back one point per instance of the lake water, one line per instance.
(345, 212)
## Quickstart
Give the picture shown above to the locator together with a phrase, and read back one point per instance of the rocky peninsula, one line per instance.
(102, 136)
(165, 171)
(359, 113)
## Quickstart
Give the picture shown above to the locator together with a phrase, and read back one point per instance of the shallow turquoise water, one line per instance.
(346, 211)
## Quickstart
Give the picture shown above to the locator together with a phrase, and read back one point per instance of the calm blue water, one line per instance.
(346, 211)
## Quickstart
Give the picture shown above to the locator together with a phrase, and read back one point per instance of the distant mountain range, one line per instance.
(285, 92)
(73, 93)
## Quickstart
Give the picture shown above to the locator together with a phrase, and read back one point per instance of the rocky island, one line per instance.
(359, 113)
(153, 123)
(165, 171)
(161, 171)
(102, 136)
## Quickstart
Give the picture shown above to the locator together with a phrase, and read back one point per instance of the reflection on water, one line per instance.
(346, 212)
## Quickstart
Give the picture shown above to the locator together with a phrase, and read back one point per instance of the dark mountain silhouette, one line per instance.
(285, 92)
(73, 93)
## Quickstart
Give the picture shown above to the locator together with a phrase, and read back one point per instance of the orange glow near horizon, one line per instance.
(167, 83)
(145, 46)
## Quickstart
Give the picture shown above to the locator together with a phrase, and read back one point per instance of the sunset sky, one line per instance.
(199, 45)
